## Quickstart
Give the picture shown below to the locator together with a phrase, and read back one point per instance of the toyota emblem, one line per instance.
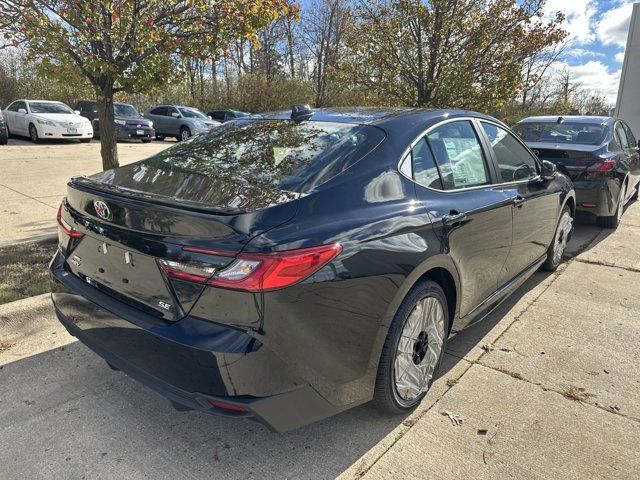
(102, 209)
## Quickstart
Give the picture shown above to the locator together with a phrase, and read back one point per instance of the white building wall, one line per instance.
(628, 104)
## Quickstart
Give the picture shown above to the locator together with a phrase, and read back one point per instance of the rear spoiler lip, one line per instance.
(86, 183)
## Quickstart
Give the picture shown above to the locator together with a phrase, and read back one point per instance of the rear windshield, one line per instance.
(567, 132)
(249, 156)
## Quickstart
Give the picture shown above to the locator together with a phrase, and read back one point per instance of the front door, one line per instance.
(533, 203)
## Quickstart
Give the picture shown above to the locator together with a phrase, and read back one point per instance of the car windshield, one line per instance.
(276, 158)
(566, 132)
(193, 113)
(240, 114)
(47, 107)
(125, 110)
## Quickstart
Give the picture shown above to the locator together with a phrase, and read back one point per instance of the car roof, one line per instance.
(39, 101)
(378, 116)
(569, 118)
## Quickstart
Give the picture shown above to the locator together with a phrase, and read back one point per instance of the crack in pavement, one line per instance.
(28, 196)
(604, 263)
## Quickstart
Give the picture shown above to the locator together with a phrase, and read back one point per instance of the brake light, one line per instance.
(68, 229)
(604, 166)
(272, 271)
(255, 272)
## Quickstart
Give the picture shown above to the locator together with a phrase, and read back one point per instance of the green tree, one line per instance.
(130, 45)
(446, 53)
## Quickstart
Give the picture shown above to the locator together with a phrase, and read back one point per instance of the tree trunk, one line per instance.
(108, 137)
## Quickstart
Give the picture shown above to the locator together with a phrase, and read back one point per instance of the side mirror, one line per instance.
(549, 170)
(77, 112)
(22, 111)
(176, 115)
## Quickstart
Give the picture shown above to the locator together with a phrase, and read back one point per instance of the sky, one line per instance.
(597, 39)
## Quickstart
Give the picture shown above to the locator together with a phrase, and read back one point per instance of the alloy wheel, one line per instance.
(185, 134)
(565, 225)
(419, 349)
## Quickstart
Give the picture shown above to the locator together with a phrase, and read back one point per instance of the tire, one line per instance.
(612, 221)
(561, 237)
(397, 396)
(185, 134)
(4, 137)
(146, 140)
(160, 138)
(33, 133)
(85, 140)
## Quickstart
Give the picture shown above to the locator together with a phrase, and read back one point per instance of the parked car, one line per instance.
(130, 124)
(226, 115)
(38, 119)
(600, 154)
(178, 121)
(4, 135)
(288, 270)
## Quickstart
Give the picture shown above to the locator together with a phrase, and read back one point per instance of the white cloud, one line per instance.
(613, 27)
(620, 57)
(595, 76)
(582, 52)
(579, 14)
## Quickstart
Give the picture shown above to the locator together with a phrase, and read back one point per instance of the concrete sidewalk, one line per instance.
(33, 179)
(553, 394)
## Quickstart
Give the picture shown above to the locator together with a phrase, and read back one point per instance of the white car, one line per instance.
(43, 119)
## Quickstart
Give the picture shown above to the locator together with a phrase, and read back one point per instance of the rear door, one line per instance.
(158, 117)
(534, 203)
(471, 216)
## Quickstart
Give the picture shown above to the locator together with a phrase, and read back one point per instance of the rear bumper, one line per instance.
(191, 362)
(601, 193)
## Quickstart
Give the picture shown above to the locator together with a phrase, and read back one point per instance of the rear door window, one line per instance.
(425, 171)
(515, 163)
(162, 111)
(630, 137)
(622, 136)
(458, 154)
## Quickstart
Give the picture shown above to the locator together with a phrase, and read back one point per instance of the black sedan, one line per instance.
(289, 266)
(600, 154)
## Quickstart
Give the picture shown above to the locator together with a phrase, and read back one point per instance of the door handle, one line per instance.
(454, 218)
(518, 201)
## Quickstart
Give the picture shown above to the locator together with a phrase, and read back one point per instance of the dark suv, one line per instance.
(130, 124)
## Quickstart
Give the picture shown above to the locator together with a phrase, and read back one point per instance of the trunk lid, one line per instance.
(571, 159)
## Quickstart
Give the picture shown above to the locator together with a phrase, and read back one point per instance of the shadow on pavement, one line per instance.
(64, 412)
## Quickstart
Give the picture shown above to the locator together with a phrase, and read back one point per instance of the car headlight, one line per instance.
(42, 121)
(150, 124)
(120, 122)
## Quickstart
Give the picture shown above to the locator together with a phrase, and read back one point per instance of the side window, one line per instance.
(159, 111)
(514, 160)
(622, 136)
(22, 105)
(630, 138)
(13, 107)
(172, 110)
(457, 151)
(425, 171)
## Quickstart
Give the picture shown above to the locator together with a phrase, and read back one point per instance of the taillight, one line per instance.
(604, 166)
(256, 272)
(68, 229)
(271, 271)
